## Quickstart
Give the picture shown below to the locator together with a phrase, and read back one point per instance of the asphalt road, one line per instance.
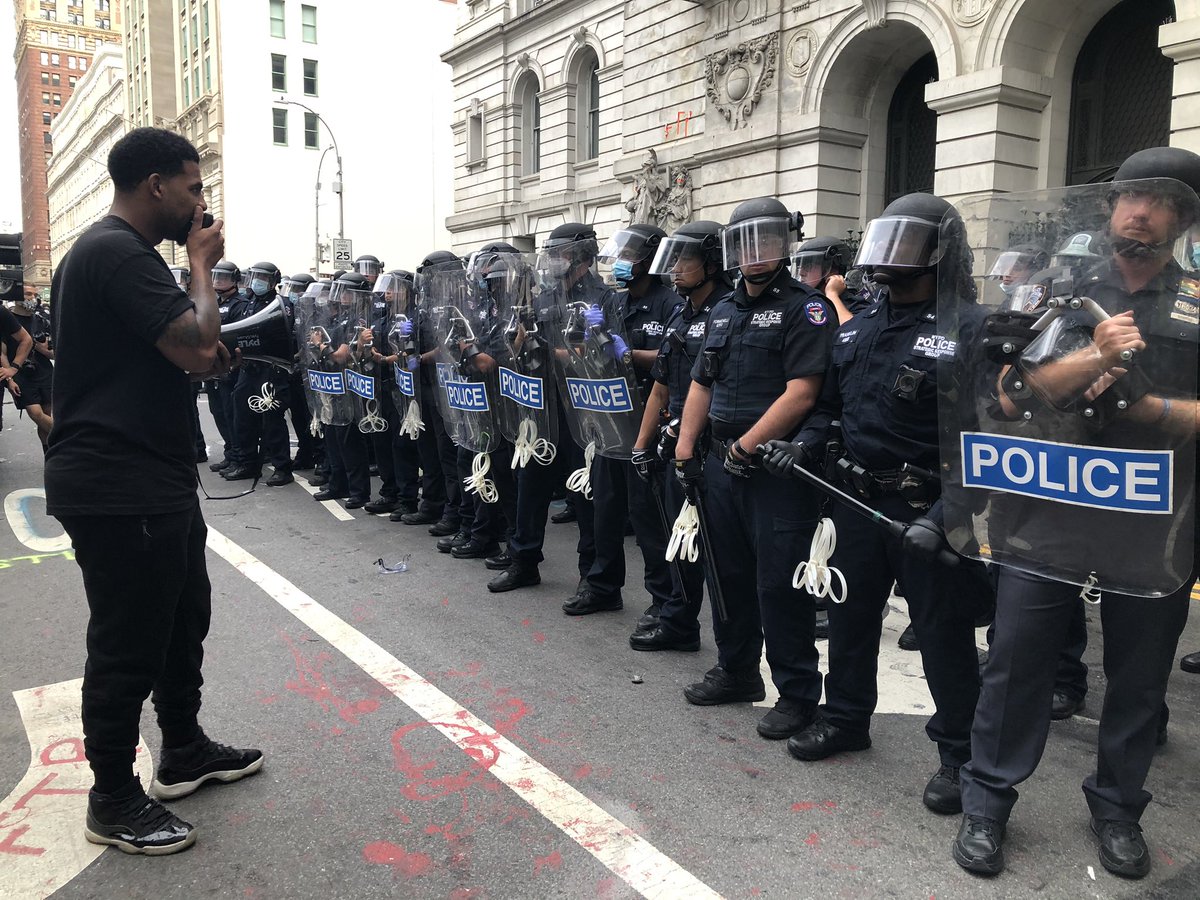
(425, 738)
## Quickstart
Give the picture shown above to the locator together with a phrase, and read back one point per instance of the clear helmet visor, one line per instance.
(898, 242)
(368, 267)
(1008, 263)
(395, 291)
(810, 266)
(677, 252)
(763, 240)
(346, 295)
(627, 245)
(222, 280)
(559, 259)
(317, 293)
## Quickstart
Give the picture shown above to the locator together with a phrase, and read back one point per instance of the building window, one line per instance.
(308, 24)
(44, 57)
(45, 78)
(278, 72)
(70, 62)
(587, 107)
(58, 99)
(45, 98)
(56, 79)
(103, 23)
(531, 126)
(55, 60)
(476, 148)
(277, 29)
(312, 137)
(279, 121)
(187, 92)
(207, 75)
(46, 138)
(45, 118)
(195, 34)
(101, 5)
(72, 81)
(83, 64)
(310, 77)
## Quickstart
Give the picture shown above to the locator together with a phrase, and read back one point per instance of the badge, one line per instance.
(1185, 310)
(1034, 294)
(1189, 287)
(847, 337)
(814, 311)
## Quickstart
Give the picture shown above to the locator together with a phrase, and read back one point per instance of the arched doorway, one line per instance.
(1121, 91)
(911, 133)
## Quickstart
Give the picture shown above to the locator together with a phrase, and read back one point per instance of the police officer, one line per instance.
(261, 396)
(882, 387)
(34, 376)
(757, 379)
(822, 263)
(1139, 286)
(225, 277)
(309, 451)
(643, 307)
(369, 267)
(692, 258)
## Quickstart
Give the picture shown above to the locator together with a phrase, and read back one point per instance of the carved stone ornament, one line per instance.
(735, 79)
(876, 13)
(800, 51)
(523, 60)
(971, 12)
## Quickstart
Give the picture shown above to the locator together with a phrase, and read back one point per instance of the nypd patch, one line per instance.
(814, 311)
(933, 346)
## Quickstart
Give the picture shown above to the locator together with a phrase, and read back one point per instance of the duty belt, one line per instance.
(720, 449)
(917, 486)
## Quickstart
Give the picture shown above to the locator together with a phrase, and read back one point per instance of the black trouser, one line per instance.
(261, 437)
(942, 604)
(150, 601)
(762, 528)
(1013, 717)
(306, 444)
(347, 461)
(680, 615)
(1071, 675)
(447, 453)
(618, 494)
(220, 404)
(201, 447)
(585, 509)
(384, 444)
(406, 459)
(433, 480)
(534, 484)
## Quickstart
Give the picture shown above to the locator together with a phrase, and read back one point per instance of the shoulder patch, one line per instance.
(1033, 297)
(814, 311)
(1189, 287)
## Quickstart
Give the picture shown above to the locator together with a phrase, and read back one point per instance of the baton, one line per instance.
(656, 489)
(896, 529)
(710, 568)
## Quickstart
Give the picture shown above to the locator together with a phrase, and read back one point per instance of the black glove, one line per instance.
(646, 463)
(690, 473)
(739, 466)
(778, 457)
(668, 437)
(925, 538)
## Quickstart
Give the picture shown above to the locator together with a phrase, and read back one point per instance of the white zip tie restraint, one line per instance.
(685, 535)
(529, 446)
(411, 425)
(1091, 590)
(580, 480)
(815, 575)
(478, 482)
(372, 422)
(264, 402)
(315, 428)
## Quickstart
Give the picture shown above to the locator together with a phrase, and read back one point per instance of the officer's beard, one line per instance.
(1139, 250)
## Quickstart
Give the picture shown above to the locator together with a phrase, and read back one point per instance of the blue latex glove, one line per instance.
(618, 348)
(406, 327)
(413, 363)
(594, 315)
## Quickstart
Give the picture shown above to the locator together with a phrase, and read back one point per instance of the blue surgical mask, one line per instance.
(623, 271)
(260, 286)
(1196, 256)
(1008, 288)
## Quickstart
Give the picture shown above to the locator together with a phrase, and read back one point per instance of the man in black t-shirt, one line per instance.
(126, 339)
(33, 379)
(15, 346)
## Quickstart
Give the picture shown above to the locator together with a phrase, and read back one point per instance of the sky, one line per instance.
(10, 160)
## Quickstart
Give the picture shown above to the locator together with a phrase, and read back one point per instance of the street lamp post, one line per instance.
(337, 185)
(317, 217)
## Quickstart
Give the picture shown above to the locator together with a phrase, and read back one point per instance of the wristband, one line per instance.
(1166, 411)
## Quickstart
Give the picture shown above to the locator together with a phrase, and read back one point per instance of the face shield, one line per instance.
(368, 268)
(678, 253)
(317, 293)
(763, 241)
(395, 291)
(260, 281)
(898, 242)
(348, 296)
(182, 277)
(559, 260)
(223, 280)
(811, 266)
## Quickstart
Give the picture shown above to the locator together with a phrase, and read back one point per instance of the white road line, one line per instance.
(22, 525)
(338, 513)
(629, 856)
(41, 821)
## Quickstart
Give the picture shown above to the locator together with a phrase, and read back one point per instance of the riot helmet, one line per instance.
(691, 256)
(1016, 265)
(318, 292)
(368, 266)
(439, 260)
(1081, 248)
(630, 252)
(904, 242)
(262, 278)
(297, 284)
(182, 276)
(759, 237)
(566, 248)
(1170, 179)
(818, 258)
(349, 290)
(225, 276)
(396, 289)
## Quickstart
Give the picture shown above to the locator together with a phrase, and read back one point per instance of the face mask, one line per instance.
(260, 287)
(1008, 288)
(1196, 256)
(623, 271)
(558, 266)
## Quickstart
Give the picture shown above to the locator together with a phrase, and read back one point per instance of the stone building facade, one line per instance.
(834, 106)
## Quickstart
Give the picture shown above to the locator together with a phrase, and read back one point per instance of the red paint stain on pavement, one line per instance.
(466, 893)
(605, 887)
(508, 714)
(310, 682)
(422, 784)
(527, 622)
(583, 771)
(64, 752)
(1164, 858)
(385, 853)
(755, 892)
(553, 861)
(366, 706)
(445, 601)
(539, 638)
(813, 840)
(808, 805)
(525, 784)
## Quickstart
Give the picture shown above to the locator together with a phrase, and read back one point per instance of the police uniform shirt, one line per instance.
(882, 385)
(758, 345)
(683, 339)
(643, 320)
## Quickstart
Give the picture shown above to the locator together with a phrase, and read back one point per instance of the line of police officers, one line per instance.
(481, 385)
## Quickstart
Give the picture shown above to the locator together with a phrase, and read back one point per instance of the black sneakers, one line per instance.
(943, 793)
(785, 719)
(979, 847)
(183, 770)
(135, 823)
(1123, 850)
(720, 686)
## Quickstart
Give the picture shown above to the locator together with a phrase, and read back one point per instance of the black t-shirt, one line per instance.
(10, 327)
(37, 367)
(123, 441)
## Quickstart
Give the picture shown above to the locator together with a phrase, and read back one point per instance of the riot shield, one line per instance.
(1067, 402)
(327, 337)
(593, 361)
(366, 372)
(312, 315)
(398, 343)
(463, 326)
(526, 390)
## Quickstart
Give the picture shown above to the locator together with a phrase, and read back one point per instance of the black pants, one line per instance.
(1013, 717)
(150, 601)
(534, 484)
(433, 480)
(220, 404)
(619, 494)
(347, 452)
(680, 615)
(201, 446)
(585, 509)
(766, 526)
(447, 454)
(384, 445)
(942, 603)
(261, 437)
(306, 444)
